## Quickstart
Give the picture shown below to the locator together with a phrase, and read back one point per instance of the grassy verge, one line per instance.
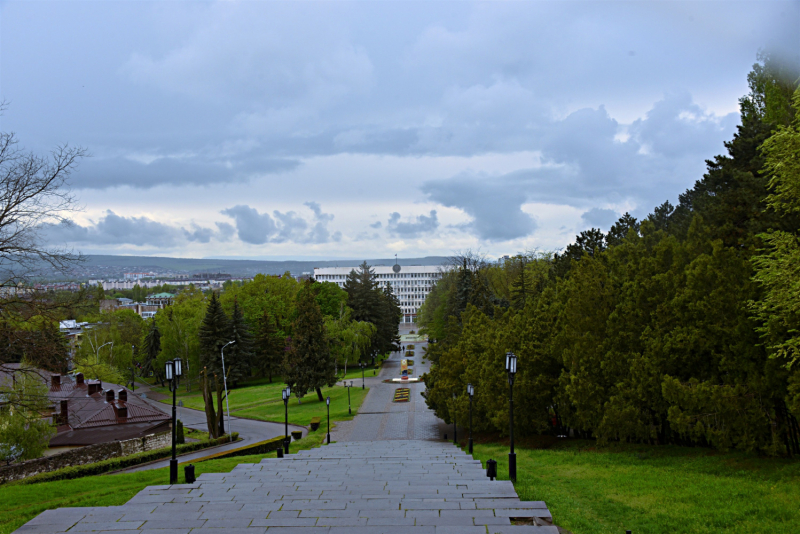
(263, 401)
(21, 503)
(655, 490)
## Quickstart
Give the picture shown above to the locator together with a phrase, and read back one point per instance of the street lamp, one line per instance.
(287, 391)
(173, 371)
(225, 383)
(328, 402)
(511, 369)
(97, 353)
(455, 436)
(349, 411)
(471, 393)
(363, 365)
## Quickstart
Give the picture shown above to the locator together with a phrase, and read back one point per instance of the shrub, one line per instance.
(315, 421)
(410, 347)
(297, 434)
(114, 464)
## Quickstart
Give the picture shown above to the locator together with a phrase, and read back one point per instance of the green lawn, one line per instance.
(655, 490)
(21, 503)
(263, 402)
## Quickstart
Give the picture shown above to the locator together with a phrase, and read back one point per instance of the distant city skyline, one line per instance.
(283, 130)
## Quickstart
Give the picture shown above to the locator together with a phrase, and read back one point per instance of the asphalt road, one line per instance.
(250, 431)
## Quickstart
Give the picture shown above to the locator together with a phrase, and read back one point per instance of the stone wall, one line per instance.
(85, 455)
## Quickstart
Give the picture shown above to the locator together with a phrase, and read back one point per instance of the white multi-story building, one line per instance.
(411, 283)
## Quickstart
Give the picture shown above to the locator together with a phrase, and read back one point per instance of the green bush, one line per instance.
(179, 438)
(297, 434)
(315, 421)
(262, 447)
(114, 464)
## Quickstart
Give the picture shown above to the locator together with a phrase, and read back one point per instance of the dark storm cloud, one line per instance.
(600, 218)
(103, 173)
(113, 229)
(260, 228)
(585, 161)
(421, 224)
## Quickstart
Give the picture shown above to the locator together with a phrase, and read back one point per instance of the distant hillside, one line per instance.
(97, 266)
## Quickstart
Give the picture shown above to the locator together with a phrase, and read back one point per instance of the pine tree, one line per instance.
(309, 363)
(214, 334)
(239, 356)
(268, 346)
(388, 330)
(152, 347)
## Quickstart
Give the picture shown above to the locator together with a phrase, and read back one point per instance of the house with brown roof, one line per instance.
(89, 412)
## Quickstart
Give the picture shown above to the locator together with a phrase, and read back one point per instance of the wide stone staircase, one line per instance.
(375, 487)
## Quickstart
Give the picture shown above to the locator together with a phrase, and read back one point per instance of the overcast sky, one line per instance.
(355, 129)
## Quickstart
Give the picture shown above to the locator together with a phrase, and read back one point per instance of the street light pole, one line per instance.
(285, 394)
(328, 402)
(511, 368)
(349, 411)
(225, 383)
(173, 372)
(455, 436)
(363, 365)
(471, 393)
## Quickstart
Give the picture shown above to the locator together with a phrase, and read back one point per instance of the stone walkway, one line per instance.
(387, 473)
(384, 487)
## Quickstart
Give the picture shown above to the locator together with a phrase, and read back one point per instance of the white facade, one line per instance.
(411, 283)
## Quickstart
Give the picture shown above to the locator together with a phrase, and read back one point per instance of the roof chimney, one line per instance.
(121, 409)
(64, 417)
(122, 395)
(93, 388)
(79, 378)
(55, 381)
(110, 395)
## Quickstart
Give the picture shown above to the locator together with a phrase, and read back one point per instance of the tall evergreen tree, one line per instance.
(152, 348)
(309, 363)
(268, 347)
(239, 356)
(214, 333)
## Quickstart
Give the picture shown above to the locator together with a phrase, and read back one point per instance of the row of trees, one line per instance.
(680, 328)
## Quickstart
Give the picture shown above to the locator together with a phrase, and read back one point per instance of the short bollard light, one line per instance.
(280, 452)
(188, 474)
(491, 469)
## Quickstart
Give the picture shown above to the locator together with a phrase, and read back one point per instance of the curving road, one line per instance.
(250, 431)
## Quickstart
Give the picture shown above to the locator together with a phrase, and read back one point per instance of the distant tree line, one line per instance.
(679, 328)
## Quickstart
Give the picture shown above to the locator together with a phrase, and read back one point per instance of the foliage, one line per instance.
(179, 325)
(650, 332)
(371, 305)
(268, 347)
(152, 348)
(214, 333)
(24, 433)
(239, 355)
(309, 363)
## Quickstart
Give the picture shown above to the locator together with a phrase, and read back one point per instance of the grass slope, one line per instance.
(655, 490)
(21, 503)
(261, 400)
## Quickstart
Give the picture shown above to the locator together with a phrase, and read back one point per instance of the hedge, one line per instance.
(114, 464)
(262, 447)
(314, 423)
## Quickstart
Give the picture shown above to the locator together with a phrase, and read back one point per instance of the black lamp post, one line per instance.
(511, 368)
(349, 411)
(173, 371)
(285, 394)
(471, 393)
(363, 365)
(455, 436)
(328, 402)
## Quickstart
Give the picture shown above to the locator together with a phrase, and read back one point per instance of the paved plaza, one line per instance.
(388, 472)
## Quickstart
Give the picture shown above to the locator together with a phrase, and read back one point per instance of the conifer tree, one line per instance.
(214, 332)
(309, 363)
(239, 356)
(152, 347)
(268, 346)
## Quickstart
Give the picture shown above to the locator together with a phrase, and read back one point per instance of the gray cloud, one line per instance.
(585, 161)
(186, 169)
(422, 224)
(113, 229)
(260, 228)
(376, 224)
(496, 208)
(600, 218)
